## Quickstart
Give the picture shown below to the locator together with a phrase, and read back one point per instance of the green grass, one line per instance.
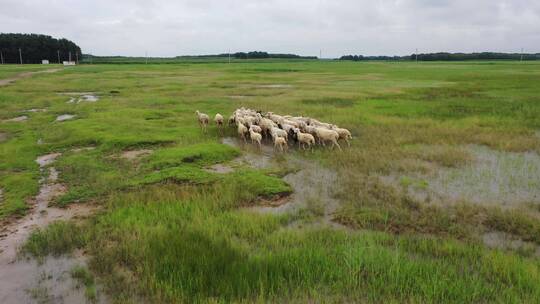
(183, 245)
(171, 231)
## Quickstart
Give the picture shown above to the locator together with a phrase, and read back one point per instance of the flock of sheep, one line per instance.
(282, 129)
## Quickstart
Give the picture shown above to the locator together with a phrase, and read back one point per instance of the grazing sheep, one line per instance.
(343, 134)
(291, 123)
(306, 131)
(277, 132)
(255, 137)
(275, 118)
(281, 143)
(242, 130)
(292, 134)
(266, 125)
(324, 135)
(305, 139)
(312, 130)
(255, 128)
(203, 120)
(218, 119)
(249, 120)
(285, 127)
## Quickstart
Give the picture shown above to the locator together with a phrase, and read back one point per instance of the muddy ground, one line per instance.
(26, 280)
(7, 81)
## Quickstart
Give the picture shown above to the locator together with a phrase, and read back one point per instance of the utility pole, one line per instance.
(58, 54)
(229, 56)
(416, 53)
(145, 57)
(69, 56)
(521, 59)
(77, 57)
(320, 54)
(2, 57)
(20, 55)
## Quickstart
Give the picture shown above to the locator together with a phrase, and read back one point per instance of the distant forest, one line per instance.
(35, 48)
(88, 58)
(263, 55)
(448, 57)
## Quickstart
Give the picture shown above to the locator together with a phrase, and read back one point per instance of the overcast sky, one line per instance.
(337, 27)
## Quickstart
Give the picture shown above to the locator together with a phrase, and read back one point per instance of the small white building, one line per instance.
(44, 61)
(69, 62)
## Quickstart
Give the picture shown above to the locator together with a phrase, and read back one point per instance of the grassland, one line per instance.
(170, 231)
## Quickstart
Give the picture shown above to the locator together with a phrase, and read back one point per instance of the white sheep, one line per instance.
(255, 137)
(255, 128)
(305, 139)
(324, 135)
(242, 130)
(266, 125)
(286, 127)
(281, 143)
(277, 132)
(203, 120)
(218, 119)
(343, 134)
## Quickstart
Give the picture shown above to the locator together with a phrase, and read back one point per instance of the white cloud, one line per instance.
(169, 28)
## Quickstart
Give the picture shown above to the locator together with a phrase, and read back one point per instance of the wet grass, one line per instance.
(184, 245)
(85, 277)
(172, 232)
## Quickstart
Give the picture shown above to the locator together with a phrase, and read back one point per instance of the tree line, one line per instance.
(252, 55)
(442, 56)
(265, 55)
(35, 47)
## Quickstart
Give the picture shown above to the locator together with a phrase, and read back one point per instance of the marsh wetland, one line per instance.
(110, 192)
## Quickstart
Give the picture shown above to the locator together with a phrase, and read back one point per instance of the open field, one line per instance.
(437, 199)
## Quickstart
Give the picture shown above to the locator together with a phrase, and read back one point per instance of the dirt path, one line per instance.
(22, 280)
(6, 81)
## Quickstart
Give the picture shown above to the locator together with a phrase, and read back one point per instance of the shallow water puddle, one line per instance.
(35, 110)
(78, 97)
(76, 150)
(505, 241)
(493, 177)
(47, 159)
(65, 117)
(255, 158)
(16, 232)
(313, 185)
(47, 281)
(219, 168)
(274, 86)
(17, 119)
